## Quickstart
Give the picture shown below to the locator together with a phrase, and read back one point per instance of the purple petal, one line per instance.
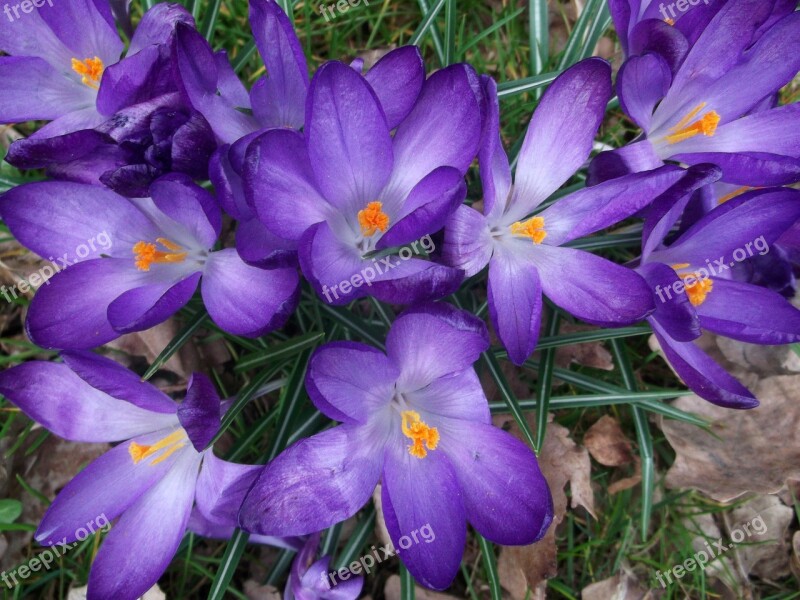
(108, 486)
(71, 310)
(185, 202)
(316, 482)
(348, 381)
(443, 129)
(494, 168)
(119, 573)
(199, 413)
(515, 303)
(702, 374)
(54, 219)
(246, 300)
(280, 185)
(83, 28)
(56, 398)
(457, 395)
(759, 169)
(411, 281)
(421, 494)
(621, 15)
(85, 118)
(115, 380)
(221, 488)
(261, 248)
(467, 241)
(642, 81)
(632, 158)
(350, 150)
(397, 79)
(157, 26)
(592, 288)
(432, 340)
(561, 132)
(657, 36)
(33, 89)
(674, 312)
(279, 98)
(749, 313)
(146, 306)
(135, 79)
(85, 147)
(427, 207)
(505, 495)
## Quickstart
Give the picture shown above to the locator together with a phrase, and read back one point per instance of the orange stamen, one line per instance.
(699, 288)
(736, 192)
(532, 228)
(669, 21)
(172, 443)
(372, 219)
(685, 129)
(147, 254)
(419, 432)
(90, 71)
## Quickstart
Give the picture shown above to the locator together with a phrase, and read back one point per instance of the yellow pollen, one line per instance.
(697, 286)
(372, 219)
(669, 21)
(171, 444)
(532, 228)
(736, 192)
(90, 71)
(147, 254)
(685, 129)
(417, 431)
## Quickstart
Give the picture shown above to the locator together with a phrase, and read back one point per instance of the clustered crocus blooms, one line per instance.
(339, 175)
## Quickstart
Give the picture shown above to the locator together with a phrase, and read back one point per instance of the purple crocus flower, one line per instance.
(309, 578)
(128, 152)
(696, 287)
(277, 100)
(148, 483)
(527, 254)
(417, 419)
(159, 249)
(64, 64)
(713, 109)
(348, 188)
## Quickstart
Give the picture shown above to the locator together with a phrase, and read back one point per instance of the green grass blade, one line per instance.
(192, 325)
(527, 84)
(354, 324)
(355, 544)
(438, 46)
(508, 396)
(450, 22)
(292, 404)
(539, 34)
(279, 352)
(427, 23)
(490, 567)
(545, 381)
(580, 33)
(227, 567)
(210, 21)
(408, 590)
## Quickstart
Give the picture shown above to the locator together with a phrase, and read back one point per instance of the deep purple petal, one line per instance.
(348, 381)
(515, 303)
(316, 482)
(494, 168)
(657, 36)
(221, 488)
(467, 241)
(642, 81)
(592, 288)
(561, 132)
(261, 248)
(674, 312)
(432, 340)
(246, 300)
(632, 158)
(146, 306)
(410, 281)
(505, 495)
(185, 202)
(199, 413)
(423, 494)
(702, 374)
(350, 150)
(279, 98)
(157, 26)
(56, 398)
(457, 395)
(154, 527)
(397, 79)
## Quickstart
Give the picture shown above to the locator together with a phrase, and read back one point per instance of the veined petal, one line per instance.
(185, 202)
(157, 26)
(397, 79)
(316, 482)
(82, 26)
(348, 381)
(656, 36)
(413, 280)
(154, 527)
(494, 168)
(468, 242)
(221, 488)
(457, 395)
(200, 411)
(55, 397)
(643, 81)
(674, 312)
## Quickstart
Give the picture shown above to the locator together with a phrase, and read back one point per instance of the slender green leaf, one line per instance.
(408, 589)
(490, 567)
(438, 46)
(192, 325)
(545, 382)
(279, 352)
(527, 84)
(355, 544)
(450, 22)
(508, 395)
(426, 24)
(227, 567)
(295, 396)
(210, 21)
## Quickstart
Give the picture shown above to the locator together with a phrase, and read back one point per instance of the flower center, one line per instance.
(170, 444)
(147, 253)
(372, 219)
(685, 129)
(533, 228)
(696, 285)
(419, 433)
(90, 71)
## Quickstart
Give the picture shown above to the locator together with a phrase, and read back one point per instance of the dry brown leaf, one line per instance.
(796, 554)
(592, 354)
(255, 591)
(562, 461)
(755, 450)
(765, 553)
(627, 483)
(607, 444)
(622, 586)
(392, 591)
